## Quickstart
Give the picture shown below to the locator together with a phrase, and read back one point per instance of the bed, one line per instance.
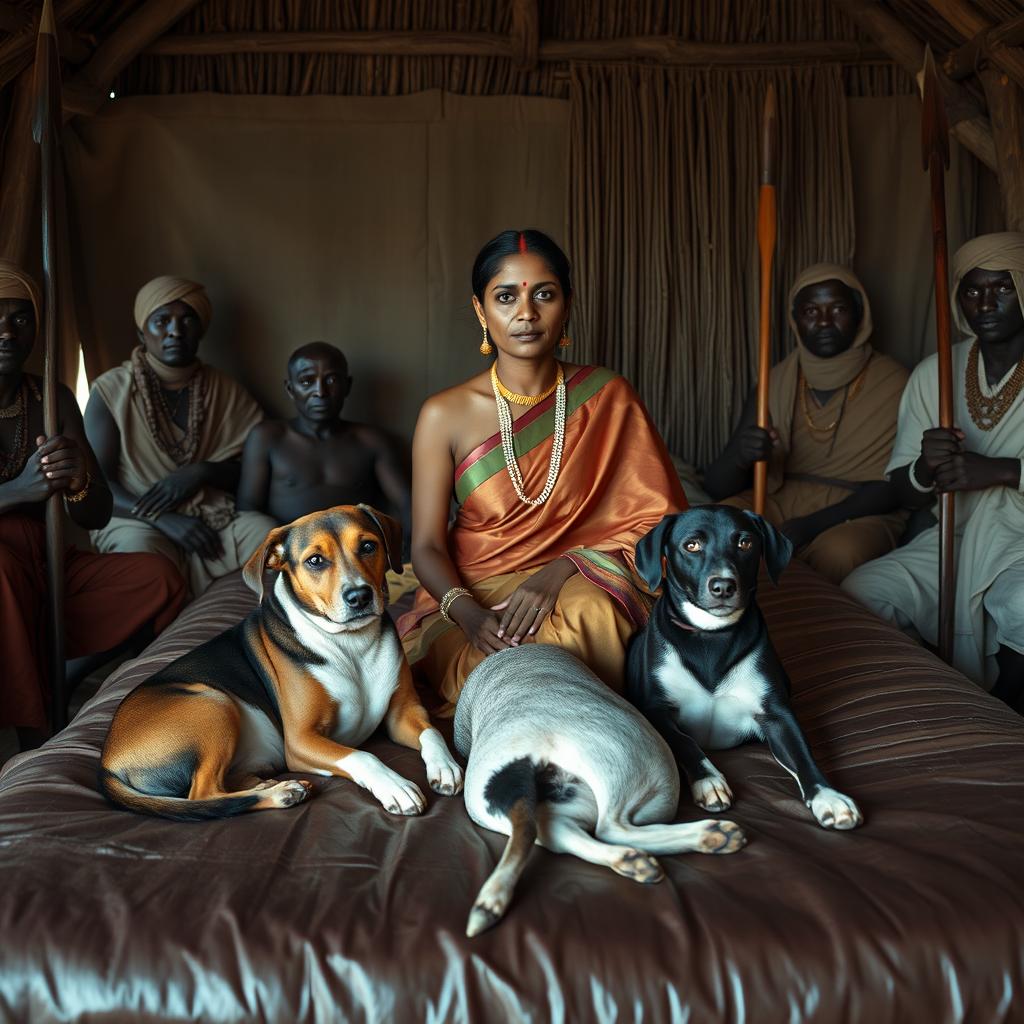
(335, 910)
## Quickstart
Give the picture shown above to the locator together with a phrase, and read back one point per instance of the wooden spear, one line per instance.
(935, 154)
(766, 218)
(46, 124)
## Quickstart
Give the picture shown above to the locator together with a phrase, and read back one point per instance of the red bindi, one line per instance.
(524, 284)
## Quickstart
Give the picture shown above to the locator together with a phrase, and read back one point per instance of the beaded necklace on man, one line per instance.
(12, 462)
(160, 416)
(988, 410)
(850, 392)
(502, 397)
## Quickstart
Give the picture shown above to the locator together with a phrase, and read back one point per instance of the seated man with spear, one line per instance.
(979, 460)
(107, 598)
(833, 404)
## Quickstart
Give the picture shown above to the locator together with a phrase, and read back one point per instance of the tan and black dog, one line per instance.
(297, 685)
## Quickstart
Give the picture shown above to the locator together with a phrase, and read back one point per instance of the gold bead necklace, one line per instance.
(527, 400)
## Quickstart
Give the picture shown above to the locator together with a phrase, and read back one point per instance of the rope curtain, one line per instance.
(662, 228)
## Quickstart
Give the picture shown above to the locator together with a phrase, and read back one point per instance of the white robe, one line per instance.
(903, 585)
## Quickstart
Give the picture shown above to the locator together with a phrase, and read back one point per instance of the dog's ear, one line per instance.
(269, 555)
(390, 531)
(648, 553)
(776, 548)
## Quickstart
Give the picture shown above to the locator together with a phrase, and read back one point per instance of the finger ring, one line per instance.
(538, 608)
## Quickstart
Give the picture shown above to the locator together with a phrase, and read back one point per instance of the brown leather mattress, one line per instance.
(335, 910)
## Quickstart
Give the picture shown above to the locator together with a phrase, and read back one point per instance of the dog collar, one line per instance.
(683, 625)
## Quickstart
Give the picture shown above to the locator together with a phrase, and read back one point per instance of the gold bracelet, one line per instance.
(450, 598)
(83, 493)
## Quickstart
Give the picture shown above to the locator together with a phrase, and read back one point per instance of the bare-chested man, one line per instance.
(317, 460)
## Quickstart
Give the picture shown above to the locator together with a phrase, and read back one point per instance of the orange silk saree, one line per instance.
(616, 483)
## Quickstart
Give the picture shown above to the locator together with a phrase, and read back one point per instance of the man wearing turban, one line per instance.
(168, 431)
(833, 403)
(107, 599)
(979, 459)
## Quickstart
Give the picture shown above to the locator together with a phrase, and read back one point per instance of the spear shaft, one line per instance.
(46, 132)
(935, 156)
(766, 233)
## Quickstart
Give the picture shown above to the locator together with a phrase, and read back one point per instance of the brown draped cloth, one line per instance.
(616, 483)
(807, 474)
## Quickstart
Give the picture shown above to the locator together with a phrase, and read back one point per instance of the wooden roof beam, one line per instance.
(89, 89)
(13, 19)
(968, 122)
(1006, 108)
(970, 24)
(663, 49)
(968, 58)
(17, 52)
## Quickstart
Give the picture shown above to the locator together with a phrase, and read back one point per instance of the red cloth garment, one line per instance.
(107, 598)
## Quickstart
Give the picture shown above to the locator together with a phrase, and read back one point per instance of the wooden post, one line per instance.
(525, 33)
(766, 231)
(968, 123)
(935, 156)
(1006, 109)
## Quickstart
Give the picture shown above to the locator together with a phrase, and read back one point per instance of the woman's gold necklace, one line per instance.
(988, 411)
(528, 400)
(501, 398)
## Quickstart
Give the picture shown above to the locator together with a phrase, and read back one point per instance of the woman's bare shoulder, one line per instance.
(457, 400)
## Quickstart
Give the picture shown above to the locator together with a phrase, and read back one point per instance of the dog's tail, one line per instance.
(178, 808)
(511, 792)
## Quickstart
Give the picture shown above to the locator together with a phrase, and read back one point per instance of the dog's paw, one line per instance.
(444, 774)
(712, 793)
(395, 793)
(287, 793)
(720, 837)
(639, 866)
(833, 809)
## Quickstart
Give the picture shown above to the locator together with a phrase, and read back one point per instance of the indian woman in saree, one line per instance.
(557, 471)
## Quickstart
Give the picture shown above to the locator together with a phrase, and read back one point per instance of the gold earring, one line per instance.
(565, 342)
(486, 348)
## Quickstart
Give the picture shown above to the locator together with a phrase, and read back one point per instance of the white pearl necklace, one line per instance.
(507, 447)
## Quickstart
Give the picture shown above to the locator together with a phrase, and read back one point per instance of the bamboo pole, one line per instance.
(935, 157)
(766, 231)
(46, 131)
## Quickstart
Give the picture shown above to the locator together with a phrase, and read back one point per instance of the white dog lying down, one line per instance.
(557, 758)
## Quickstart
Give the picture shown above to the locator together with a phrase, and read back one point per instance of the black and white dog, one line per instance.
(557, 758)
(704, 670)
